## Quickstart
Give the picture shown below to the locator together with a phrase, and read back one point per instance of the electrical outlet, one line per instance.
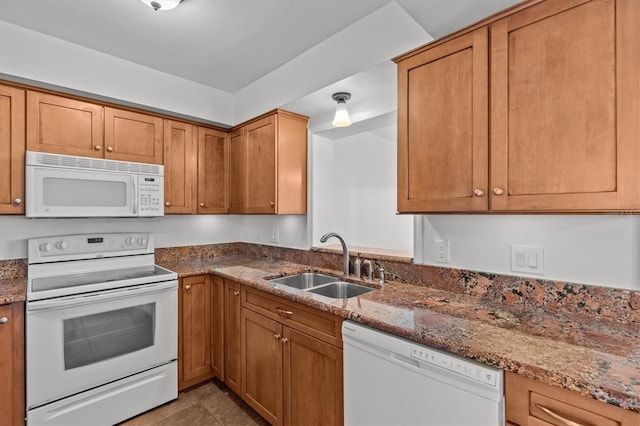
(442, 251)
(275, 235)
(259, 234)
(529, 259)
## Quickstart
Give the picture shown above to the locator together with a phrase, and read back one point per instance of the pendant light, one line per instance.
(341, 119)
(162, 4)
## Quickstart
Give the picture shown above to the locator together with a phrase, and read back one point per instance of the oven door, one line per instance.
(59, 192)
(79, 342)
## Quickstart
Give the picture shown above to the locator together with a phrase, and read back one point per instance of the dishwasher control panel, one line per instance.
(466, 368)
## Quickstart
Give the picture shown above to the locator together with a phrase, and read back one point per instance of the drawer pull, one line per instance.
(4, 320)
(283, 312)
(558, 416)
(276, 336)
(236, 293)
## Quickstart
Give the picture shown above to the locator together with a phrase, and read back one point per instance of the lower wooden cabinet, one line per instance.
(200, 336)
(530, 402)
(232, 359)
(12, 395)
(289, 376)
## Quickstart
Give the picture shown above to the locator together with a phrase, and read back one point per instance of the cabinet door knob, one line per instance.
(236, 293)
(167, 204)
(272, 203)
(17, 201)
(498, 191)
(276, 336)
(109, 149)
(4, 320)
(285, 340)
(478, 192)
(201, 204)
(97, 147)
(187, 287)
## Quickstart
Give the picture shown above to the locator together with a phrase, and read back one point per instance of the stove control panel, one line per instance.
(88, 246)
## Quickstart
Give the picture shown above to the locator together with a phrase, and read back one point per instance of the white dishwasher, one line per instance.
(389, 380)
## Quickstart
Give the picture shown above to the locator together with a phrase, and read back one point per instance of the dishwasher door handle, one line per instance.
(401, 359)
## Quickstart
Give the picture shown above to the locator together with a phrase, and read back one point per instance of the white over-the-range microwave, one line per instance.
(69, 186)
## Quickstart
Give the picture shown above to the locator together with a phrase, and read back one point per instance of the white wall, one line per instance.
(291, 230)
(168, 230)
(354, 189)
(589, 249)
(31, 55)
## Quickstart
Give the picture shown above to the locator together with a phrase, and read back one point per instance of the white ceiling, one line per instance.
(228, 44)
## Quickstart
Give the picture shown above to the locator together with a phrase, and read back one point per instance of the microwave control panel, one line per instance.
(150, 195)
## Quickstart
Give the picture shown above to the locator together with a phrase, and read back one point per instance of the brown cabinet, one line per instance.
(200, 330)
(232, 340)
(530, 402)
(269, 165)
(69, 126)
(213, 171)
(12, 148)
(12, 394)
(563, 113)
(180, 167)
(291, 361)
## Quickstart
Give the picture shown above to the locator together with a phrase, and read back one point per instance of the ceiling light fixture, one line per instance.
(341, 118)
(162, 4)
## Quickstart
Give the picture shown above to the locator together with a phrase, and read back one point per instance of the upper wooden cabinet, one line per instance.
(443, 127)
(12, 148)
(213, 171)
(563, 112)
(180, 167)
(132, 136)
(269, 165)
(68, 126)
(64, 126)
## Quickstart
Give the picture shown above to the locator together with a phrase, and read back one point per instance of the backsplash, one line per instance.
(13, 268)
(590, 301)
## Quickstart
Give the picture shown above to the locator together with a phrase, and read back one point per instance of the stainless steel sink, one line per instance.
(340, 290)
(305, 280)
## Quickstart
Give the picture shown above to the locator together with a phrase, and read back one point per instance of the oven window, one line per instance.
(94, 338)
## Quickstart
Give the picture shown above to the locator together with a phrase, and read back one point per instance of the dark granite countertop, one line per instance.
(597, 358)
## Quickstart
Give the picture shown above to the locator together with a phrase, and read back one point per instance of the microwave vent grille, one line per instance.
(95, 164)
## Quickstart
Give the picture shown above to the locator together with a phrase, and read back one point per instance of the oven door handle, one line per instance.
(102, 296)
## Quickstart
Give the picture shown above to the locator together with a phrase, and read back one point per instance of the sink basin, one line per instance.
(340, 290)
(305, 280)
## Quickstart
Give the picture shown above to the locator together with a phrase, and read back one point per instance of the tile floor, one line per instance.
(211, 404)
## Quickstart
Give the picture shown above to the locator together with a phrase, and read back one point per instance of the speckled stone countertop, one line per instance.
(593, 357)
(13, 281)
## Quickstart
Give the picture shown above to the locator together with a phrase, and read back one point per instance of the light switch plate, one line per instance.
(528, 259)
(275, 235)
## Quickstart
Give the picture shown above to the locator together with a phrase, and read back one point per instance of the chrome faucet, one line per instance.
(345, 251)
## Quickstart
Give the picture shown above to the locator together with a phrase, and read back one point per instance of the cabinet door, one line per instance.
(12, 394)
(195, 330)
(232, 360)
(64, 126)
(564, 107)
(238, 167)
(262, 365)
(213, 171)
(443, 127)
(261, 166)
(313, 391)
(217, 326)
(12, 147)
(180, 162)
(292, 164)
(132, 136)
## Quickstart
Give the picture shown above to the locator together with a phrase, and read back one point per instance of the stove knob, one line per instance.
(45, 247)
(62, 244)
(142, 241)
(130, 241)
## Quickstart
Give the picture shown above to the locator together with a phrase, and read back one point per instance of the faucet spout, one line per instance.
(345, 251)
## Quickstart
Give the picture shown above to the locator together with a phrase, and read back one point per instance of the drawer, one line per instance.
(531, 402)
(314, 322)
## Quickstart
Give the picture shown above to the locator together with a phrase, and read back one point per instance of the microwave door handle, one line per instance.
(81, 299)
(134, 186)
